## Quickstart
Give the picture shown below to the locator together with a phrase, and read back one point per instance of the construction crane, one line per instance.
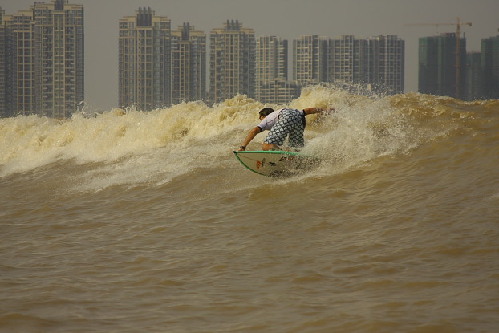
(458, 25)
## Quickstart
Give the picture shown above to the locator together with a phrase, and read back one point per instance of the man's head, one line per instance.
(265, 112)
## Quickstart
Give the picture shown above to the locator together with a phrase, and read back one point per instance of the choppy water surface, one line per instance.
(145, 222)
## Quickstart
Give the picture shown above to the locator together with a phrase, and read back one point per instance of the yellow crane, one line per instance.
(458, 25)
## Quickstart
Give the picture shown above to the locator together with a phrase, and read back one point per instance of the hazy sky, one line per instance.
(284, 18)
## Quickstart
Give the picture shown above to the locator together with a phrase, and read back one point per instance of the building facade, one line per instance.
(188, 64)
(232, 61)
(58, 59)
(348, 60)
(20, 64)
(439, 73)
(310, 60)
(272, 84)
(474, 88)
(145, 61)
(490, 67)
(278, 91)
(44, 60)
(3, 66)
(385, 63)
(271, 58)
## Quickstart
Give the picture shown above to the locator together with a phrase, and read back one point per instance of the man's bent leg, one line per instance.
(269, 146)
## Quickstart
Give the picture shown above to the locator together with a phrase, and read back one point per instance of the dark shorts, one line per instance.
(290, 123)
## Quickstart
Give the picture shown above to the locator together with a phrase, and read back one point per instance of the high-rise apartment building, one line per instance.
(3, 66)
(310, 55)
(20, 64)
(278, 91)
(271, 58)
(385, 63)
(361, 64)
(474, 77)
(58, 64)
(232, 61)
(348, 60)
(188, 64)
(44, 56)
(272, 84)
(145, 60)
(490, 67)
(438, 70)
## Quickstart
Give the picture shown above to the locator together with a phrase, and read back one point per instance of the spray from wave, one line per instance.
(133, 147)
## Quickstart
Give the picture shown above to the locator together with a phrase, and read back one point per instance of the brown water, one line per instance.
(145, 222)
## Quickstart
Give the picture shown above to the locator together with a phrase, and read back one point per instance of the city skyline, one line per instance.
(286, 19)
(239, 63)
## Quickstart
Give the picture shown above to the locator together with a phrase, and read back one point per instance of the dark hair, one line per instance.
(265, 112)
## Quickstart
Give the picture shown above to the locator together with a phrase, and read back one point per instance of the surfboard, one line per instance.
(276, 163)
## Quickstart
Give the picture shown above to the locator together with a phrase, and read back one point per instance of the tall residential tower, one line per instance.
(348, 60)
(310, 55)
(385, 63)
(3, 67)
(145, 60)
(490, 66)
(44, 56)
(232, 61)
(437, 65)
(188, 64)
(20, 64)
(272, 85)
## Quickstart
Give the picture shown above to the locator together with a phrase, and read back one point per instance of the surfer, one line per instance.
(280, 124)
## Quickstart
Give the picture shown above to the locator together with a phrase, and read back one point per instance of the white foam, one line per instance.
(132, 147)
